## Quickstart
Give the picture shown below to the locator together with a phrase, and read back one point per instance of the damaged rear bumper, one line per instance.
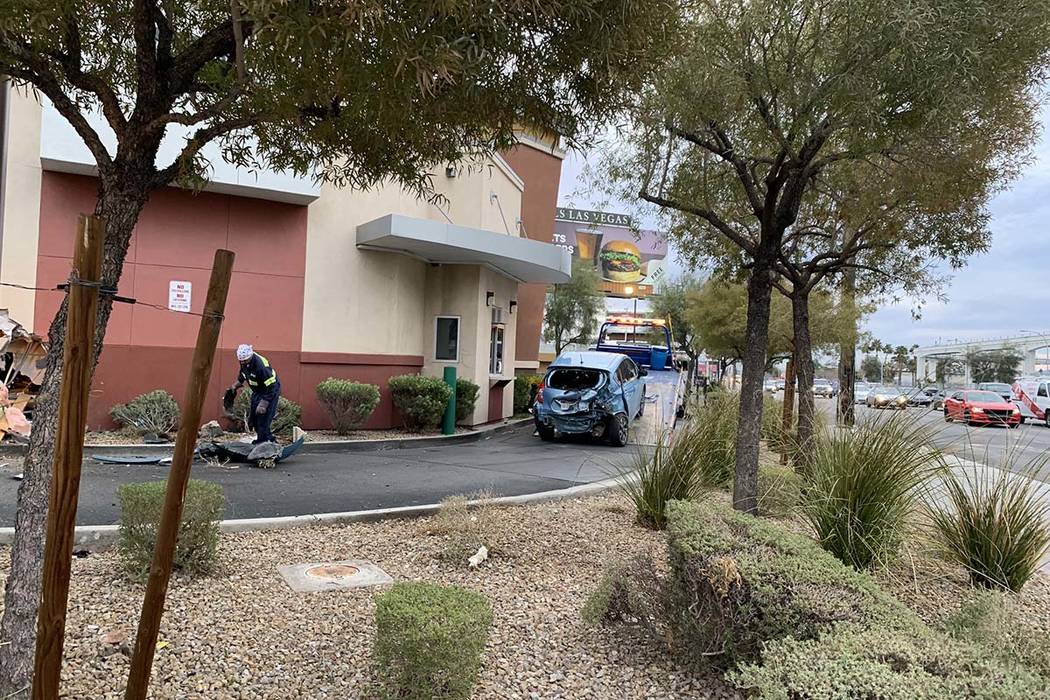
(593, 421)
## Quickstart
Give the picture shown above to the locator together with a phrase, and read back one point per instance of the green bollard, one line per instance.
(448, 423)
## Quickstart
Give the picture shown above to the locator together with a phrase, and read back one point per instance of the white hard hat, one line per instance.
(244, 352)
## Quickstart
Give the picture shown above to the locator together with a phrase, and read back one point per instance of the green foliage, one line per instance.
(993, 520)
(608, 601)
(289, 414)
(153, 412)
(429, 640)
(466, 398)
(141, 506)
(871, 368)
(523, 385)
(570, 314)
(910, 661)
(673, 302)
(779, 490)
(464, 527)
(656, 477)
(420, 400)
(348, 404)
(986, 618)
(739, 582)
(994, 365)
(862, 485)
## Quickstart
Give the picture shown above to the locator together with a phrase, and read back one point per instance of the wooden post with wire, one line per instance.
(78, 359)
(185, 442)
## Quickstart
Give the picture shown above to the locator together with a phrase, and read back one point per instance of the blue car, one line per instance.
(596, 393)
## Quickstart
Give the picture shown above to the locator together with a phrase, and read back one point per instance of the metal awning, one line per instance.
(437, 242)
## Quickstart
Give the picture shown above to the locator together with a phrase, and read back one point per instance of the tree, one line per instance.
(764, 98)
(357, 93)
(993, 365)
(871, 369)
(571, 312)
(947, 367)
(672, 303)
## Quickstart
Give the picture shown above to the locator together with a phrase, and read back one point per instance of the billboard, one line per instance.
(630, 261)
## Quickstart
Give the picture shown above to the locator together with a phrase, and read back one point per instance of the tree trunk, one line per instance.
(788, 412)
(848, 353)
(120, 210)
(749, 426)
(804, 372)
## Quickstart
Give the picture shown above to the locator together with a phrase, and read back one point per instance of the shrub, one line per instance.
(993, 522)
(140, 510)
(523, 385)
(153, 412)
(348, 404)
(862, 485)
(738, 582)
(466, 528)
(655, 478)
(289, 414)
(711, 439)
(779, 490)
(466, 398)
(420, 400)
(986, 618)
(884, 662)
(429, 640)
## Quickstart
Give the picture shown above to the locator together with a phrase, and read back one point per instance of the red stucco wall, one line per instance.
(176, 239)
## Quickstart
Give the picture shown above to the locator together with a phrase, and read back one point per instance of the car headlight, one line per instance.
(977, 409)
(1016, 411)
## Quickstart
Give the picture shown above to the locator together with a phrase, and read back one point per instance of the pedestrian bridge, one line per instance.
(1034, 348)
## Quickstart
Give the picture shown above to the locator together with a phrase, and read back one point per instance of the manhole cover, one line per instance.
(332, 571)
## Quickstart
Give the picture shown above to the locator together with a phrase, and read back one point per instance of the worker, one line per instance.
(260, 377)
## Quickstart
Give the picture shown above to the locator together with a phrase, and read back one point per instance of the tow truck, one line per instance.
(648, 341)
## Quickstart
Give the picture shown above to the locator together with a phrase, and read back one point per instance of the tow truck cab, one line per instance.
(647, 341)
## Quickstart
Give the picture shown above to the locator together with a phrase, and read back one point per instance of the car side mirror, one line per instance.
(644, 372)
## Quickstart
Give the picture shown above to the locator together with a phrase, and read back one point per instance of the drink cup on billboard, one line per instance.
(588, 242)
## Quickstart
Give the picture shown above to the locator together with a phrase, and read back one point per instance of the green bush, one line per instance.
(429, 640)
(420, 400)
(348, 404)
(140, 510)
(738, 582)
(710, 438)
(884, 662)
(289, 414)
(523, 384)
(862, 485)
(153, 412)
(994, 520)
(466, 398)
(986, 618)
(779, 490)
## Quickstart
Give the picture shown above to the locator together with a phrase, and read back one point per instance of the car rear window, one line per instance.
(574, 379)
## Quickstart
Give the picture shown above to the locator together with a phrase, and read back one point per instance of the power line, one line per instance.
(107, 291)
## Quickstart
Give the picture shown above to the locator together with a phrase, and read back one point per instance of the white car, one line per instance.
(860, 392)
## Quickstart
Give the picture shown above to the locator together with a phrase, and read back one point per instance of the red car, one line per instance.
(981, 408)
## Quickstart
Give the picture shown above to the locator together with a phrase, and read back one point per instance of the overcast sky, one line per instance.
(999, 293)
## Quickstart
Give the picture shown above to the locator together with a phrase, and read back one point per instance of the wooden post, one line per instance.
(185, 442)
(78, 358)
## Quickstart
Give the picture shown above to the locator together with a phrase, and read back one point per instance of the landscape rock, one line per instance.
(210, 430)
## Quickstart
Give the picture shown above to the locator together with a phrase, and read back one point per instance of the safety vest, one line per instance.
(269, 381)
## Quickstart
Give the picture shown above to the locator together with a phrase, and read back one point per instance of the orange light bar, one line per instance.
(632, 321)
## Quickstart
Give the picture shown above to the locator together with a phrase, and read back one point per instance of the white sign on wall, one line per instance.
(179, 295)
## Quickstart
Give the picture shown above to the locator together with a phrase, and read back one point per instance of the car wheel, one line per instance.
(967, 419)
(1046, 418)
(546, 432)
(947, 416)
(617, 430)
(1013, 426)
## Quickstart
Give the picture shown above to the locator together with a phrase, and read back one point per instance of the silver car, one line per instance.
(860, 392)
(886, 396)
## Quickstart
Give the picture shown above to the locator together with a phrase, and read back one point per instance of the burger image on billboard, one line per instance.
(621, 262)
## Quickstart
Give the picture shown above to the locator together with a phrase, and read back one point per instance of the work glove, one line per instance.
(261, 408)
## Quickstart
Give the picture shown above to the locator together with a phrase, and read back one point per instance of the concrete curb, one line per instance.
(320, 447)
(97, 537)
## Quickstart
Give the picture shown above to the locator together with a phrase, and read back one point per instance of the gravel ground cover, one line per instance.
(241, 633)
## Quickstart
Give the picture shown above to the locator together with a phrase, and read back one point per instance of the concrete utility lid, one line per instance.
(328, 576)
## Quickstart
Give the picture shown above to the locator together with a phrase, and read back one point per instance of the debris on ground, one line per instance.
(210, 430)
(22, 363)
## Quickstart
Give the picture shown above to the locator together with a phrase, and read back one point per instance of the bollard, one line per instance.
(448, 423)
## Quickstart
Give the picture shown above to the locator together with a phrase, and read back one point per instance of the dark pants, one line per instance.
(262, 423)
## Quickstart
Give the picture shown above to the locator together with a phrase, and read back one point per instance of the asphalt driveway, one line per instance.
(509, 463)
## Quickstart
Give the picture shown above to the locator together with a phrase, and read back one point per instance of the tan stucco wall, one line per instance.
(21, 197)
(359, 301)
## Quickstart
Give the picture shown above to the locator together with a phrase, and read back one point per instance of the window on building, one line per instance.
(447, 346)
(496, 350)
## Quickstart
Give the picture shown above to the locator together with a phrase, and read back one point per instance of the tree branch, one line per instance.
(199, 140)
(706, 214)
